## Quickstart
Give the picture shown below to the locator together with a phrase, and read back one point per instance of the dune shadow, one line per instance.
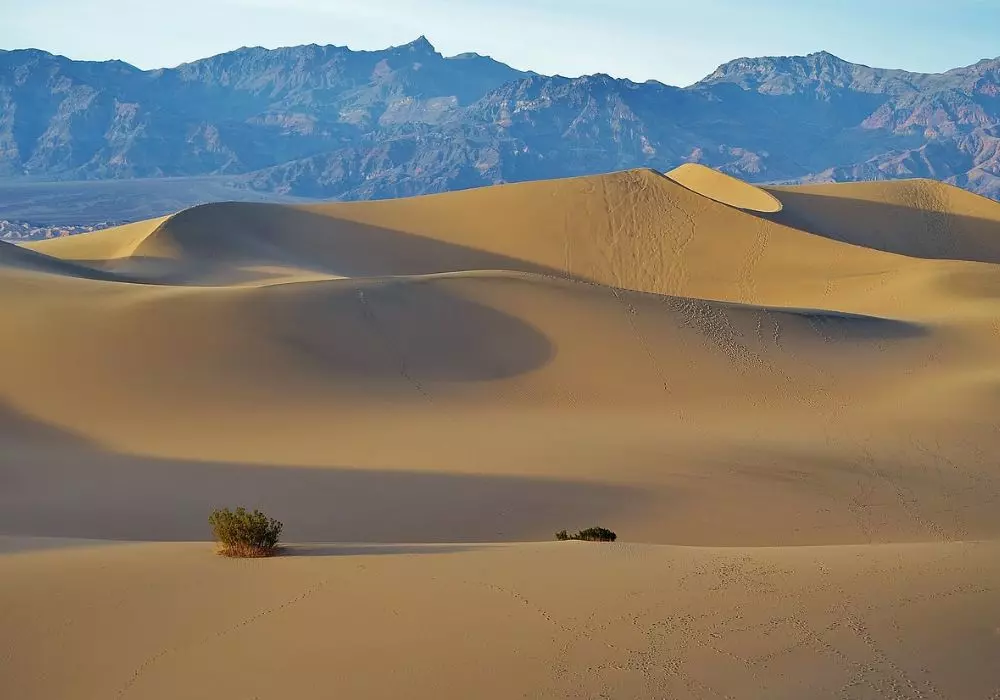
(891, 228)
(18, 257)
(417, 329)
(837, 326)
(356, 550)
(209, 244)
(154, 271)
(240, 233)
(17, 429)
(828, 325)
(327, 332)
(69, 488)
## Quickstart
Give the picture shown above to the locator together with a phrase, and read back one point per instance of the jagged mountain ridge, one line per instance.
(326, 121)
(226, 114)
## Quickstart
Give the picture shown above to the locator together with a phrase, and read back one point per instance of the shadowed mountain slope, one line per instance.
(328, 122)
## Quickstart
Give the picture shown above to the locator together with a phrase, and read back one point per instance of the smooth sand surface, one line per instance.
(503, 621)
(725, 188)
(795, 409)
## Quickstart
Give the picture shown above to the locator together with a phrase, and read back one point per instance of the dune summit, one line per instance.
(783, 400)
(725, 189)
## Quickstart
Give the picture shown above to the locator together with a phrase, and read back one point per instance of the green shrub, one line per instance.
(241, 533)
(591, 534)
(596, 534)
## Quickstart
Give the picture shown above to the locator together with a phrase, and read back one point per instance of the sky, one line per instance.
(673, 41)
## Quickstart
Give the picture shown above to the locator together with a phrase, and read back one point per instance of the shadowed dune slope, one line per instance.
(919, 218)
(17, 258)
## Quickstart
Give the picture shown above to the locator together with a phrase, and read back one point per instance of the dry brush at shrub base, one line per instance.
(245, 534)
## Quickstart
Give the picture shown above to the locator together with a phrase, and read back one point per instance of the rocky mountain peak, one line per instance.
(327, 121)
(420, 45)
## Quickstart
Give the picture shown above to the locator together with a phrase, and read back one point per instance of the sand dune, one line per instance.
(15, 258)
(725, 189)
(807, 376)
(635, 230)
(919, 218)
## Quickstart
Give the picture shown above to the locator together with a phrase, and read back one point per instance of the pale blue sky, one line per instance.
(677, 42)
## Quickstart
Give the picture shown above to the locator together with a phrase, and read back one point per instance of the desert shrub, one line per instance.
(591, 534)
(596, 534)
(241, 533)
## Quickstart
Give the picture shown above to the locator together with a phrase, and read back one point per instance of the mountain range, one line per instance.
(329, 122)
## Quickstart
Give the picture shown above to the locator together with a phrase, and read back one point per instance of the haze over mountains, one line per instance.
(325, 121)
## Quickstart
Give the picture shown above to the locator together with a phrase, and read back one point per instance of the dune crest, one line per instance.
(725, 189)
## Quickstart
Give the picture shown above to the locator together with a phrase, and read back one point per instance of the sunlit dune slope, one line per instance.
(724, 189)
(109, 244)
